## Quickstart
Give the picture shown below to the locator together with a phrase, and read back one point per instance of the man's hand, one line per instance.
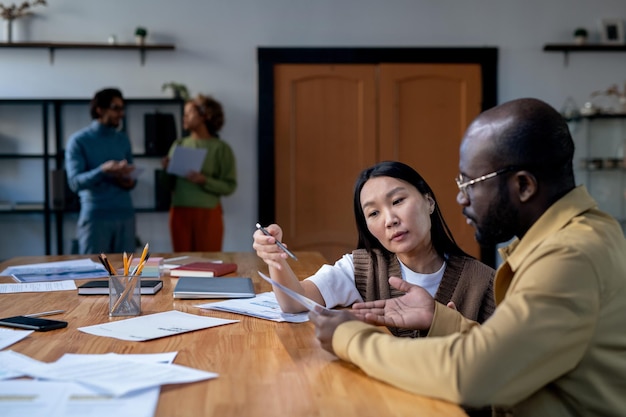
(414, 310)
(118, 169)
(326, 323)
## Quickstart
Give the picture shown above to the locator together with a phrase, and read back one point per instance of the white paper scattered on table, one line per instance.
(185, 159)
(69, 399)
(304, 301)
(154, 326)
(38, 286)
(118, 376)
(263, 306)
(32, 398)
(8, 337)
(13, 364)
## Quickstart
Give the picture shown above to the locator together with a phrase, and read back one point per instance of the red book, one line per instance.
(203, 269)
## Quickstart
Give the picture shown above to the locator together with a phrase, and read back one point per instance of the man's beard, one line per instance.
(498, 224)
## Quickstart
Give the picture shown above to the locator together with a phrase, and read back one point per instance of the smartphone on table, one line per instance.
(33, 323)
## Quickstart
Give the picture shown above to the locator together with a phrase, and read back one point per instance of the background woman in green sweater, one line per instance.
(196, 220)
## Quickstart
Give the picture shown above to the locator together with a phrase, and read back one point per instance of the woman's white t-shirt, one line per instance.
(336, 282)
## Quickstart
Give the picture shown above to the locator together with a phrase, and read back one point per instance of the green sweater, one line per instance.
(220, 171)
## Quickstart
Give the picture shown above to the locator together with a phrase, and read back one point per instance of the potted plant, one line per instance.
(581, 35)
(140, 35)
(178, 90)
(12, 12)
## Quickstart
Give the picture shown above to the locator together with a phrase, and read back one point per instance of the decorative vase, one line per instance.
(140, 40)
(8, 30)
(580, 40)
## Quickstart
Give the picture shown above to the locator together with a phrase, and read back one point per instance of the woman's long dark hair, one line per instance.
(440, 234)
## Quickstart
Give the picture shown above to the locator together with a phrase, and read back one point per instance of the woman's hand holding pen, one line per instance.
(266, 248)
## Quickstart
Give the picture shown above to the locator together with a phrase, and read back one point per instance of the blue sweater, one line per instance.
(87, 149)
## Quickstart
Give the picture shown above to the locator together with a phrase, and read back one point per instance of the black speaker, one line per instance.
(163, 186)
(61, 196)
(159, 133)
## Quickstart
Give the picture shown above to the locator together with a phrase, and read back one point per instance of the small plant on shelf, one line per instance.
(179, 90)
(12, 12)
(581, 35)
(140, 35)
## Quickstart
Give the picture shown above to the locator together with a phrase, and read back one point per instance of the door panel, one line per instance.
(325, 127)
(331, 121)
(424, 111)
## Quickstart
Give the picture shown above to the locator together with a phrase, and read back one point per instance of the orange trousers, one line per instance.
(195, 229)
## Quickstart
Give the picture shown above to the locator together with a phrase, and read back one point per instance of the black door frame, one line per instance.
(268, 57)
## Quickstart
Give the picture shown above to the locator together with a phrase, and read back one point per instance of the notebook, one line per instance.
(203, 269)
(227, 287)
(101, 287)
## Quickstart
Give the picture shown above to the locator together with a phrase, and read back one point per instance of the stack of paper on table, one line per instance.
(98, 385)
(57, 271)
(203, 269)
(263, 306)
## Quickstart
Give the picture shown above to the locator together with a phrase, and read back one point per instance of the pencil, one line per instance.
(278, 242)
(110, 267)
(144, 253)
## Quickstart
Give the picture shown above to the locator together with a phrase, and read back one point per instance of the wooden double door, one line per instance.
(332, 121)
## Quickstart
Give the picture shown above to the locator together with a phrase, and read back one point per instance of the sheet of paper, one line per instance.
(8, 337)
(185, 159)
(135, 173)
(154, 326)
(83, 401)
(165, 357)
(304, 301)
(118, 376)
(38, 286)
(263, 306)
(78, 400)
(32, 398)
(13, 364)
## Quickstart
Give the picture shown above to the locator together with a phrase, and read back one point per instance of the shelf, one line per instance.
(20, 156)
(566, 48)
(56, 206)
(53, 46)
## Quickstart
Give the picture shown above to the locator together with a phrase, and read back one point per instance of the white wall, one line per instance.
(216, 43)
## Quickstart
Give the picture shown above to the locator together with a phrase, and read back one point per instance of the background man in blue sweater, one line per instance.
(98, 161)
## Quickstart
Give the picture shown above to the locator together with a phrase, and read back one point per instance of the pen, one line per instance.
(278, 242)
(45, 313)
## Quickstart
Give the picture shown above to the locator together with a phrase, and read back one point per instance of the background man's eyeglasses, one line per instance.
(116, 107)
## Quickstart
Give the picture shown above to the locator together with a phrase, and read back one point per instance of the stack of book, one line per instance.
(203, 269)
(152, 268)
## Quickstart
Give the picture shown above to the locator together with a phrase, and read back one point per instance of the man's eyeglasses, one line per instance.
(464, 184)
(116, 107)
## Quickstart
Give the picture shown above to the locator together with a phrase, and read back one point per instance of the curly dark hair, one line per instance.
(212, 112)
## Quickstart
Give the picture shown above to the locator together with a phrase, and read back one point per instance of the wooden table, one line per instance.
(265, 368)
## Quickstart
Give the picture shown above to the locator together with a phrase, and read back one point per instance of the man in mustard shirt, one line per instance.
(556, 344)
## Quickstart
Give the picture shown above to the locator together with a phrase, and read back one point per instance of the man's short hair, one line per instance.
(102, 99)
